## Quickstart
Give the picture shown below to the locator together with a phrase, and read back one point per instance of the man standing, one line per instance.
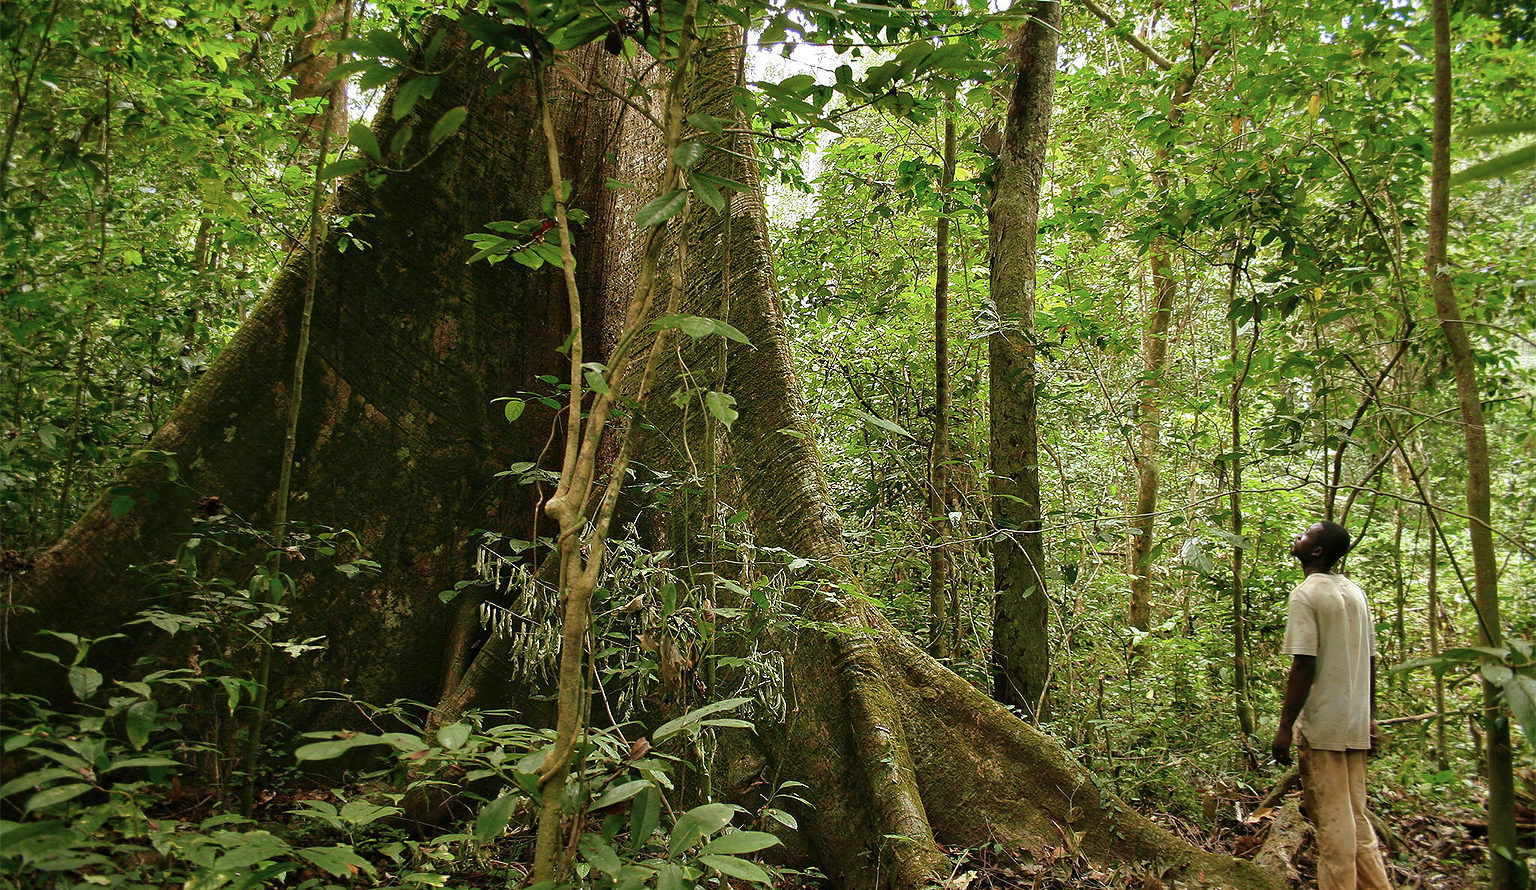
(1332, 690)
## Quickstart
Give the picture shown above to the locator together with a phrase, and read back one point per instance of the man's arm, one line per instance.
(1375, 728)
(1298, 686)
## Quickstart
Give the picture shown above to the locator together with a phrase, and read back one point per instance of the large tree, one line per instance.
(400, 442)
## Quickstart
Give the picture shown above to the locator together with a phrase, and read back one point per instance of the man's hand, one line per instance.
(1280, 748)
(1375, 739)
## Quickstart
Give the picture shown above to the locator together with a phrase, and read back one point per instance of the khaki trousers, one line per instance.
(1333, 790)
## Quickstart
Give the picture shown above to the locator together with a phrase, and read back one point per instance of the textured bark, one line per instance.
(899, 754)
(944, 624)
(1505, 872)
(398, 440)
(1020, 643)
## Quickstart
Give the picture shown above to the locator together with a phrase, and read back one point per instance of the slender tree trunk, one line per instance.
(1505, 872)
(1149, 414)
(1245, 717)
(1020, 641)
(942, 633)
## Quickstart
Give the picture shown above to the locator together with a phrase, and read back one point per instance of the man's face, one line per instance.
(1306, 542)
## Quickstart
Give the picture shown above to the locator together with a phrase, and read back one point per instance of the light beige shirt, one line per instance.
(1329, 618)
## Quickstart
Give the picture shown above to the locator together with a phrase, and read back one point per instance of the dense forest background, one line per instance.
(1231, 333)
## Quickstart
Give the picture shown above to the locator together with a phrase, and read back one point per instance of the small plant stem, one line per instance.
(569, 505)
(290, 438)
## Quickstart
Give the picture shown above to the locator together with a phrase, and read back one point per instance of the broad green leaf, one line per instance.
(139, 721)
(36, 779)
(494, 816)
(339, 859)
(1509, 162)
(883, 424)
(345, 167)
(447, 125)
(740, 842)
(597, 852)
(701, 820)
(513, 409)
(687, 154)
(707, 123)
(670, 877)
(121, 506)
(676, 725)
(362, 137)
(707, 193)
(644, 817)
(335, 747)
(722, 406)
(620, 793)
(661, 209)
(84, 681)
(737, 868)
(412, 91)
(1520, 692)
(55, 796)
(140, 761)
(454, 735)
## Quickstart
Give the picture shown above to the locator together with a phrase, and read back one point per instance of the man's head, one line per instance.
(1321, 545)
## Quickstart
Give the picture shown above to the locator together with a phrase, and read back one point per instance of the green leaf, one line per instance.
(737, 868)
(336, 747)
(494, 816)
(55, 796)
(121, 506)
(687, 154)
(883, 424)
(144, 760)
(1520, 692)
(670, 877)
(447, 125)
(35, 780)
(722, 406)
(344, 168)
(697, 822)
(454, 735)
(644, 817)
(596, 851)
(661, 209)
(620, 793)
(698, 326)
(1509, 162)
(139, 722)
(707, 193)
(674, 726)
(84, 681)
(707, 123)
(363, 138)
(740, 842)
(340, 860)
(412, 91)
(513, 409)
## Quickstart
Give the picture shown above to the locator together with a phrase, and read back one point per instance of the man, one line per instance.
(1332, 690)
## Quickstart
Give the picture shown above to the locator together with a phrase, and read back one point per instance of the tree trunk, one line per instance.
(398, 440)
(1020, 642)
(1505, 871)
(942, 639)
(899, 754)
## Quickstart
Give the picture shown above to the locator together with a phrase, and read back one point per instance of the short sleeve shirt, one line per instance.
(1329, 618)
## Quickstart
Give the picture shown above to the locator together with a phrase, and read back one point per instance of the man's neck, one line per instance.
(1308, 571)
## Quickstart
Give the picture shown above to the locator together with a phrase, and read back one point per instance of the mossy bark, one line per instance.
(398, 439)
(1020, 641)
